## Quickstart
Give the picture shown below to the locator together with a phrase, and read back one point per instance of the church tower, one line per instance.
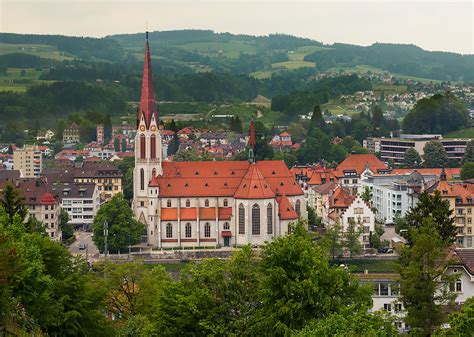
(147, 145)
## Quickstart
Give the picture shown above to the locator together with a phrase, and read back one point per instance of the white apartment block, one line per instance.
(28, 160)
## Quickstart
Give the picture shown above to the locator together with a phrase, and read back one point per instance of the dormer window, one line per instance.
(469, 200)
(458, 200)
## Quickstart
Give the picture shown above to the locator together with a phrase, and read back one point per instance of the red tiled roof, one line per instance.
(47, 199)
(169, 214)
(358, 162)
(254, 185)
(207, 213)
(223, 178)
(321, 176)
(285, 209)
(450, 172)
(341, 199)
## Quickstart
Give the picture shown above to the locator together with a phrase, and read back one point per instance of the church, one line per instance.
(207, 204)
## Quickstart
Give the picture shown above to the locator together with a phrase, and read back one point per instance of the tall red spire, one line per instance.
(252, 140)
(147, 100)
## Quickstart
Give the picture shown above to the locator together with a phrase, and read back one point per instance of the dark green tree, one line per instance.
(460, 323)
(469, 153)
(116, 145)
(351, 238)
(317, 119)
(377, 117)
(424, 287)
(124, 145)
(12, 202)
(434, 155)
(67, 229)
(467, 171)
(124, 230)
(126, 166)
(411, 158)
(431, 206)
(333, 241)
(173, 146)
(367, 195)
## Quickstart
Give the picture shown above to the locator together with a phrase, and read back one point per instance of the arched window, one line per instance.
(269, 219)
(207, 230)
(142, 179)
(241, 219)
(153, 173)
(255, 220)
(188, 203)
(168, 203)
(142, 146)
(298, 207)
(206, 203)
(226, 203)
(226, 226)
(153, 147)
(169, 230)
(187, 230)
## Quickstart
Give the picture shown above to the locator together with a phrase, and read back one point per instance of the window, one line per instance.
(168, 203)
(358, 210)
(226, 203)
(269, 219)
(383, 289)
(46, 216)
(142, 146)
(169, 230)
(387, 307)
(226, 226)
(458, 286)
(206, 203)
(298, 207)
(188, 203)
(354, 181)
(187, 230)
(153, 147)
(142, 179)
(398, 307)
(366, 219)
(255, 220)
(207, 230)
(241, 219)
(346, 181)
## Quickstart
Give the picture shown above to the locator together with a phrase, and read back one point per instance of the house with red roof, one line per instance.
(282, 142)
(351, 170)
(212, 203)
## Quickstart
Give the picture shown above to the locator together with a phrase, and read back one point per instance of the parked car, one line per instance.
(82, 246)
(385, 250)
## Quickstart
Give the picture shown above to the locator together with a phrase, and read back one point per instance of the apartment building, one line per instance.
(71, 134)
(28, 160)
(393, 149)
(80, 200)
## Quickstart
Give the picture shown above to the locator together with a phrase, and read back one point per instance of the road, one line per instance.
(85, 238)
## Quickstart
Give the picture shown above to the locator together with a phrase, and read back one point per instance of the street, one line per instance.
(84, 238)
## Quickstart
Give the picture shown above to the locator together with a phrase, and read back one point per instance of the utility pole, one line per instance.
(106, 234)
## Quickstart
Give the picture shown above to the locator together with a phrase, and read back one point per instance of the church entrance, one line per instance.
(226, 241)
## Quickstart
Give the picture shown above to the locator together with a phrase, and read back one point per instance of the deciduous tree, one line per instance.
(434, 155)
(411, 158)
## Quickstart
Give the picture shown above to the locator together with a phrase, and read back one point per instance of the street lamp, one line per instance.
(106, 234)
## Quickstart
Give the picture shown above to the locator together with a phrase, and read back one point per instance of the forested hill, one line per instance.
(261, 56)
(398, 58)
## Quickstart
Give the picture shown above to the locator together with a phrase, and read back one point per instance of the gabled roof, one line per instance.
(341, 198)
(359, 162)
(254, 185)
(325, 188)
(285, 209)
(450, 172)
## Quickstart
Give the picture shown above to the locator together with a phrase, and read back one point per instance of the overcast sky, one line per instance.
(433, 25)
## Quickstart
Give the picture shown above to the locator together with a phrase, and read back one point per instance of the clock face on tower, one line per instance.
(153, 128)
(142, 127)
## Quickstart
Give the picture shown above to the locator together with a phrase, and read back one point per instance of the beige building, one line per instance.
(106, 176)
(71, 134)
(28, 160)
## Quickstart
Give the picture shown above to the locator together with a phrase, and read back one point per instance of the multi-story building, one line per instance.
(460, 197)
(41, 204)
(393, 149)
(28, 160)
(80, 200)
(225, 203)
(359, 214)
(71, 134)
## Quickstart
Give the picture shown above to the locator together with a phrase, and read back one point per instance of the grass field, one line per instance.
(293, 65)
(41, 50)
(372, 265)
(262, 74)
(466, 133)
(301, 52)
(15, 82)
(335, 107)
(390, 89)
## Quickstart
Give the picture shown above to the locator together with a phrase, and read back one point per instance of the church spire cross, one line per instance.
(147, 100)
